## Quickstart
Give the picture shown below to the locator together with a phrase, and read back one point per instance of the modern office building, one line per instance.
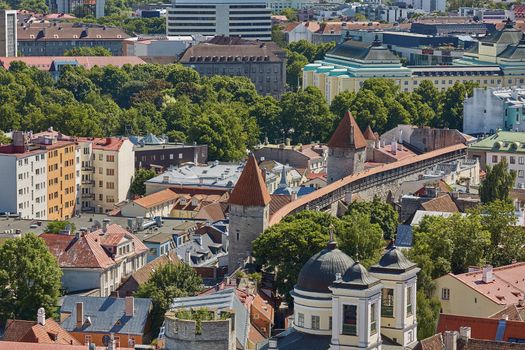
(53, 39)
(249, 19)
(498, 60)
(8, 44)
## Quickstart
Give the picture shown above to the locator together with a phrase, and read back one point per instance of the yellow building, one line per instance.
(481, 292)
(61, 177)
(498, 60)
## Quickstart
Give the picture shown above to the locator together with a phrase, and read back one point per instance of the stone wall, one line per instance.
(213, 335)
(246, 223)
(343, 162)
(424, 139)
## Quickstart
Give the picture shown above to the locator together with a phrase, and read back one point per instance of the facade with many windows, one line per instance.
(249, 19)
(497, 60)
(8, 41)
(503, 145)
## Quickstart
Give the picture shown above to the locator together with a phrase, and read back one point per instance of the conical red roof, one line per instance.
(250, 189)
(347, 134)
(369, 134)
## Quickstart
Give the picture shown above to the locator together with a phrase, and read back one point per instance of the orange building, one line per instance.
(61, 176)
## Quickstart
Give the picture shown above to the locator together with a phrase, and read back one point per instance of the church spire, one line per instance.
(347, 134)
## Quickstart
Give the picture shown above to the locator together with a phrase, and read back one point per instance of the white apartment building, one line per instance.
(108, 168)
(8, 38)
(249, 19)
(23, 180)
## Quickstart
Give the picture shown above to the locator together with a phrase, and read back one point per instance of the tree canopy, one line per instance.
(287, 246)
(57, 226)
(166, 283)
(29, 278)
(88, 51)
(498, 182)
(380, 212)
(138, 188)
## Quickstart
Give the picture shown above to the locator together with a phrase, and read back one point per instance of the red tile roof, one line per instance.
(156, 198)
(507, 286)
(86, 251)
(442, 203)
(511, 312)
(250, 189)
(369, 134)
(33, 332)
(106, 144)
(300, 202)
(278, 201)
(342, 137)
(481, 328)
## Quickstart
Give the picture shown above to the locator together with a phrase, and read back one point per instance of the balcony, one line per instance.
(87, 195)
(88, 182)
(88, 168)
(387, 310)
(349, 329)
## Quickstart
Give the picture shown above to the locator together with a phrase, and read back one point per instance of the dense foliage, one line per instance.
(380, 212)
(88, 51)
(486, 235)
(168, 282)
(298, 54)
(29, 278)
(131, 25)
(57, 226)
(498, 182)
(138, 188)
(287, 246)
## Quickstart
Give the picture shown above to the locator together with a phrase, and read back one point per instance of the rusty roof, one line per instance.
(441, 203)
(347, 134)
(250, 189)
(156, 198)
(369, 134)
(33, 332)
(481, 327)
(301, 201)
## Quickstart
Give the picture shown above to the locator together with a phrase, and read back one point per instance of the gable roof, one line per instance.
(347, 134)
(510, 311)
(106, 314)
(156, 198)
(507, 286)
(442, 203)
(33, 332)
(87, 251)
(143, 274)
(250, 189)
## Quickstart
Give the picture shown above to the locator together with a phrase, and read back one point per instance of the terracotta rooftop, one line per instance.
(510, 311)
(9, 345)
(347, 134)
(483, 328)
(250, 189)
(33, 332)
(106, 144)
(87, 251)
(278, 201)
(507, 286)
(434, 342)
(300, 202)
(156, 198)
(369, 134)
(441, 203)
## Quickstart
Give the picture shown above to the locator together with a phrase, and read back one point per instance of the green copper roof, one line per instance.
(502, 141)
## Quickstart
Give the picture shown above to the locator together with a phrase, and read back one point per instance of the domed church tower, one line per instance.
(346, 150)
(398, 296)
(312, 296)
(356, 313)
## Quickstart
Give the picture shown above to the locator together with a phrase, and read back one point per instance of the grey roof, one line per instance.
(106, 314)
(509, 36)
(319, 271)
(197, 251)
(393, 261)
(291, 339)
(514, 52)
(356, 277)
(225, 299)
(364, 51)
(404, 236)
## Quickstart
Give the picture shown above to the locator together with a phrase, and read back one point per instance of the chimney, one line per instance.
(393, 147)
(487, 276)
(382, 143)
(19, 141)
(105, 224)
(377, 144)
(288, 141)
(464, 333)
(272, 344)
(112, 343)
(129, 306)
(41, 316)
(80, 314)
(293, 195)
(450, 338)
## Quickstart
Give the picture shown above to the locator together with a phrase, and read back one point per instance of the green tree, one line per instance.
(342, 103)
(4, 140)
(359, 17)
(166, 283)
(498, 182)
(88, 51)
(427, 315)
(57, 226)
(29, 278)
(294, 64)
(452, 113)
(138, 188)
(278, 36)
(380, 212)
(291, 14)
